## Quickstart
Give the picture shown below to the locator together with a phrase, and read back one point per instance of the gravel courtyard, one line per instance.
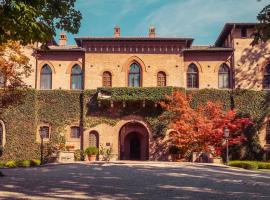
(134, 180)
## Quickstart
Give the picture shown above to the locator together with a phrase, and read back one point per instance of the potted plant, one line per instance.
(175, 153)
(91, 152)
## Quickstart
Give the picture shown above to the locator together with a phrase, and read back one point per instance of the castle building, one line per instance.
(151, 61)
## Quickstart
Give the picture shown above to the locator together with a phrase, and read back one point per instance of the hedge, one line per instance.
(253, 165)
(23, 110)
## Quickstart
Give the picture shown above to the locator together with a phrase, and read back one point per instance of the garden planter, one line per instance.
(217, 160)
(92, 157)
(65, 156)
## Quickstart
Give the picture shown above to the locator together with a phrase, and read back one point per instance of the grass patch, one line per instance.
(251, 165)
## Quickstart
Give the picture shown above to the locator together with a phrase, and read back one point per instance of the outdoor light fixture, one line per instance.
(226, 137)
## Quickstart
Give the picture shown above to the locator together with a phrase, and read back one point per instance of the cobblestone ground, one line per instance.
(134, 180)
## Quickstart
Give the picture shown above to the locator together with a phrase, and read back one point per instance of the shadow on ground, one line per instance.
(132, 181)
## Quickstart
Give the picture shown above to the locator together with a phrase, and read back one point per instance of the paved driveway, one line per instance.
(138, 180)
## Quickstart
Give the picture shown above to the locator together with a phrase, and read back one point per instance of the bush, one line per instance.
(244, 164)
(24, 163)
(2, 164)
(91, 150)
(35, 162)
(10, 164)
(175, 150)
(79, 155)
(263, 165)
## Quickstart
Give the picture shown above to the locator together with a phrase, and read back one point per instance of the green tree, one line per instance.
(32, 21)
(262, 32)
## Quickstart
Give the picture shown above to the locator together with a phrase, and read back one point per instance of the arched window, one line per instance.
(93, 139)
(134, 75)
(267, 138)
(75, 132)
(192, 76)
(107, 79)
(76, 77)
(161, 79)
(46, 78)
(224, 76)
(266, 78)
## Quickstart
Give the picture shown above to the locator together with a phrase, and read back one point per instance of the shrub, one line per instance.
(79, 155)
(2, 164)
(91, 150)
(263, 165)
(252, 165)
(35, 162)
(175, 150)
(23, 163)
(11, 164)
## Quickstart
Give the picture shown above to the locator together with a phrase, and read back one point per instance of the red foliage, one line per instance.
(202, 128)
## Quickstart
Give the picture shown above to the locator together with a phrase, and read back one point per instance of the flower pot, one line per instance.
(92, 157)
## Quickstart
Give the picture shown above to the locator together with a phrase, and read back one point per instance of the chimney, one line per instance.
(117, 31)
(63, 39)
(152, 32)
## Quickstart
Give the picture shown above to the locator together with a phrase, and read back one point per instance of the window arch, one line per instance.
(46, 78)
(93, 139)
(192, 76)
(161, 79)
(2, 134)
(76, 77)
(107, 79)
(134, 75)
(45, 131)
(267, 137)
(224, 76)
(266, 77)
(75, 132)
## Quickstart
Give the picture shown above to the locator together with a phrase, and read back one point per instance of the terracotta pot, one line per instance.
(92, 157)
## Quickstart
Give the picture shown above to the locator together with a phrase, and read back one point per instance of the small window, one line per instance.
(76, 77)
(192, 76)
(45, 131)
(75, 132)
(93, 139)
(267, 138)
(46, 78)
(266, 78)
(223, 77)
(244, 32)
(161, 79)
(107, 79)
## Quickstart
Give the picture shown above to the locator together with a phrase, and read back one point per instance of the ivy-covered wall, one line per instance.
(23, 110)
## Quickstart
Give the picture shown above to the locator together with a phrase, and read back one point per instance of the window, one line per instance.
(93, 139)
(161, 79)
(192, 76)
(134, 75)
(76, 77)
(107, 79)
(1, 135)
(45, 131)
(46, 78)
(224, 76)
(267, 138)
(75, 132)
(244, 32)
(266, 78)
(2, 80)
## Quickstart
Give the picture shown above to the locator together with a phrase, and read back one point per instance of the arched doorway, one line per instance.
(133, 142)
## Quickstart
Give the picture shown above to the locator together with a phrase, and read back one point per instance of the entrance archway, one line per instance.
(133, 142)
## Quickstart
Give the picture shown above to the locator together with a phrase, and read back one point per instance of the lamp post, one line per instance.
(42, 134)
(226, 136)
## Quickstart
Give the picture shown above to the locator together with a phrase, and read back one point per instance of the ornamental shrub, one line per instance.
(244, 164)
(91, 150)
(24, 163)
(2, 164)
(79, 155)
(35, 162)
(263, 165)
(10, 164)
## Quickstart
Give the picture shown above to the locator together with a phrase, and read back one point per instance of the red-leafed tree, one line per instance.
(201, 128)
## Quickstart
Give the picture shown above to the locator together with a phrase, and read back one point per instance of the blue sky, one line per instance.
(200, 19)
